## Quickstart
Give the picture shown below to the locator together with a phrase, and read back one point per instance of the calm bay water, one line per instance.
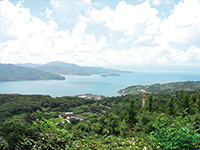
(95, 84)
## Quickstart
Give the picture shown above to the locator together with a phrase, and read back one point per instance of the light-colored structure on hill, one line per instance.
(69, 114)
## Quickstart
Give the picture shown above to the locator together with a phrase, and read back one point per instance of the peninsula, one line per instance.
(161, 88)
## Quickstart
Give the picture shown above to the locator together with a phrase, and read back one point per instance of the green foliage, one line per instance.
(188, 102)
(131, 113)
(41, 134)
(172, 121)
(3, 143)
(112, 125)
(150, 97)
(82, 126)
(50, 136)
(14, 133)
(170, 104)
(97, 128)
(178, 134)
(25, 106)
(196, 102)
(124, 129)
(145, 122)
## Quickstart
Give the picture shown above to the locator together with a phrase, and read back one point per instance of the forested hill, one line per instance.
(63, 68)
(168, 121)
(9, 72)
(161, 88)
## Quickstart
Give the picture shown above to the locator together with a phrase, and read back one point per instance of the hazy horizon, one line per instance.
(165, 68)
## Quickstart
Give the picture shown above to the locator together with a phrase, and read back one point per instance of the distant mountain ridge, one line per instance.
(29, 65)
(63, 68)
(10, 72)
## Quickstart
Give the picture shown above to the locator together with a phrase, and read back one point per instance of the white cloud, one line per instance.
(79, 28)
(124, 40)
(143, 39)
(141, 20)
(17, 17)
(69, 11)
(131, 20)
(48, 13)
(33, 40)
(193, 54)
(100, 16)
(26, 38)
(152, 55)
(182, 25)
(96, 4)
(156, 2)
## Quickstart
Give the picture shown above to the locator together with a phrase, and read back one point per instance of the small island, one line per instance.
(110, 74)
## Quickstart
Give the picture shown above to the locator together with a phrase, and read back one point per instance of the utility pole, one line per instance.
(143, 100)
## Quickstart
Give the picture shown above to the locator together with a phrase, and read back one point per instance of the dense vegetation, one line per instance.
(168, 121)
(162, 88)
(9, 72)
(72, 69)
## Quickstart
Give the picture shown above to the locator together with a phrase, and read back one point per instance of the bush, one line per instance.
(180, 134)
(145, 122)
(41, 134)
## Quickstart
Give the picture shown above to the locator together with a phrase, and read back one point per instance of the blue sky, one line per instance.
(109, 33)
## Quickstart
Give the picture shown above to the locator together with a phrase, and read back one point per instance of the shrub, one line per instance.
(180, 134)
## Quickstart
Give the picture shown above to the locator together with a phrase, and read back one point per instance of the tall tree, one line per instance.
(113, 124)
(196, 100)
(131, 115)
(150, 97)
(170, 104)
(181, 101)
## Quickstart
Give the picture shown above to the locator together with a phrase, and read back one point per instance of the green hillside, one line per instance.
(161, 88)
(9, 72)
(168, 121)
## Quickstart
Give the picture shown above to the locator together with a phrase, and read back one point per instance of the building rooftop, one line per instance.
(69, 113)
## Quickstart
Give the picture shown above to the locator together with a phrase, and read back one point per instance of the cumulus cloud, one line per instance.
(33, 40)
(183, 25)
(150, 34)
(156, 2)
(48, 13)
(151, 55)
(131, 20)
(69, 11)
(27, 38)
(192, 54)
(17, 17)
(79, 28)
(141, 21)
(101, 16)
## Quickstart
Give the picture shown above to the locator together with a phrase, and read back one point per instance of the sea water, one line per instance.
(94, 84)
